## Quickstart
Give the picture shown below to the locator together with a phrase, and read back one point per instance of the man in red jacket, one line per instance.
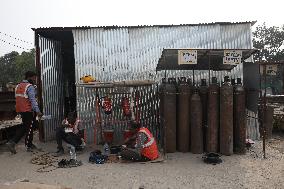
(145, 148)
(27, 107)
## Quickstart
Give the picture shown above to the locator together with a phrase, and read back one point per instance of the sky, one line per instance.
(17, 17)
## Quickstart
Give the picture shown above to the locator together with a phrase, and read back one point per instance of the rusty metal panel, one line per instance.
(51, 77)
(126, 53)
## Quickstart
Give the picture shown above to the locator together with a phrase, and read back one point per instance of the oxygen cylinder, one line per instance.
(239, 118)
(184, 93)
(212, 131)
(226, 117)
(196, 124)
(233, 82)
(162, 111)
(203, 92)
(169, 115)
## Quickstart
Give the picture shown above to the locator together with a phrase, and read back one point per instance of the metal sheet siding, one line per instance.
(51, 77)
(132, 53)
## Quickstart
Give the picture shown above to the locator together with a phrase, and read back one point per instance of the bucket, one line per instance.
(127, 134)
(108, 135)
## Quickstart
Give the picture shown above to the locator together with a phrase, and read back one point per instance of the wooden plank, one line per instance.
(130, 83)
(9, 123)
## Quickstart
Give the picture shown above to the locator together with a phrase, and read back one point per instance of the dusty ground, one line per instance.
(180, 170)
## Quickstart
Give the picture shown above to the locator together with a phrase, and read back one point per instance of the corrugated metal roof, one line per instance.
(138, 26)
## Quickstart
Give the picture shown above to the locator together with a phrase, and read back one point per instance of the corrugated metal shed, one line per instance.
(114, 53)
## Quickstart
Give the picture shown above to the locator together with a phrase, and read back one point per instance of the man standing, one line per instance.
(145, 148)
(26, 106)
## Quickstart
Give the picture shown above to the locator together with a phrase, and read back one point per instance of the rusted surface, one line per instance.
(226, 119)
(212, 131)
(183, 124)
(7, 105)
(268, 121)
(196, 124)
(203, 92)
(169, 116)
(239, 119)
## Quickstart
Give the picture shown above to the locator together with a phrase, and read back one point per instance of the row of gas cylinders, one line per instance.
(204, 118)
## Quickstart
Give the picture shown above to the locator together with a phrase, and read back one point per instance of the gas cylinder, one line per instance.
(233, 82)
(196, 124)
(184, 93)
(226, 117)
(169, 115)
(203, 92)
(161, 89)
(212, 131)
(239, 118)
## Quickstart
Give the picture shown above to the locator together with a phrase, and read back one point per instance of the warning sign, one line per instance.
(232, 57)
(187, 57)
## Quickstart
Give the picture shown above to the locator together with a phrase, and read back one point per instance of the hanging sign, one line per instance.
(232, 57)
(187, 57)
(270, 69)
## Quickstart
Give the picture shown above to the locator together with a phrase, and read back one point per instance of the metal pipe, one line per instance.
(265, 109)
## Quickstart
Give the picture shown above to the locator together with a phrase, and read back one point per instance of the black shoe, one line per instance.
(59, 152)
(74, 163)
(11, 146)
(32, 148)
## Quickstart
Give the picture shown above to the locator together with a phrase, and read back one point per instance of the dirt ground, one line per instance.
(179, 170)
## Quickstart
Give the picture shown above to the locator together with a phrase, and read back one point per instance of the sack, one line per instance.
(97, 157)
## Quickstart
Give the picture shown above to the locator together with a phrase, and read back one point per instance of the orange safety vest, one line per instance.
(149, 149)
(23, 103)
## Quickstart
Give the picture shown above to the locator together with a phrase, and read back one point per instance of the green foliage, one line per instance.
(14, 65)
(270, 42)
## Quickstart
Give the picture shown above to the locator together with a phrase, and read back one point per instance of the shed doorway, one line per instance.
(57, 68)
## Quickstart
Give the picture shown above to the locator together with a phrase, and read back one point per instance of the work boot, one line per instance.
(59, 152)
(32, 148)
(11, 146)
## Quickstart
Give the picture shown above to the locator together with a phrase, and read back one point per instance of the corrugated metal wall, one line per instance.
(52, 85)
(133, 53)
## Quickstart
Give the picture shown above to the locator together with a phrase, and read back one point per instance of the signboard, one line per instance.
(270, 69)
(232, 57)
(187, 57)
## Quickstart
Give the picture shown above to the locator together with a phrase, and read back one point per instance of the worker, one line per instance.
(145, 148)
(70, 131)
(27, 107)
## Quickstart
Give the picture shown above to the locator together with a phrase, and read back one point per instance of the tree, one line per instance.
(13, 66)
(270, 42)
(23, 63)
(7, 65)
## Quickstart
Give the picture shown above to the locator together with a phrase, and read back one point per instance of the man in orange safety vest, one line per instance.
(27, 107)
(145, 148)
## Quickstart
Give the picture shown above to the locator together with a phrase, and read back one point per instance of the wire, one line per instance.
(14, 45)
(16, 38)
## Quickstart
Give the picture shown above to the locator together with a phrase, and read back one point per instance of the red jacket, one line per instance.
(150, 149)
(23, 103)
